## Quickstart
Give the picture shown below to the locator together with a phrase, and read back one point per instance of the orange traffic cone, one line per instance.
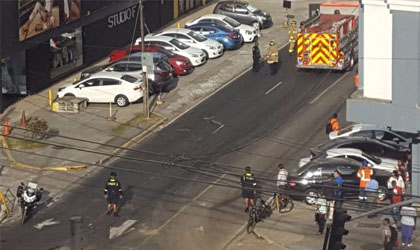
(6, 129)
(23, 120)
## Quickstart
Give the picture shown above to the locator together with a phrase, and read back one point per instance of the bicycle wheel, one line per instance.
(24, 212)
(286, 205)
(251, 223)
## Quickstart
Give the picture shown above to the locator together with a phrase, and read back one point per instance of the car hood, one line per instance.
(388, 164)
(245, 27)
(261, 13)
(333, 135)
(303, 161)
(192, 50)
(212, 42)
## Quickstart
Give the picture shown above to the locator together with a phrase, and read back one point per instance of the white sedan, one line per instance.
(386, 164)
(249, 33)
(211, 47)
(105, 87)
(196, 56)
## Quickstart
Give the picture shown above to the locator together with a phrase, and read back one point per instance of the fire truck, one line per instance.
(329, 38)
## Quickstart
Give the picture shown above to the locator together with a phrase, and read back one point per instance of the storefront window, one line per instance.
(67, 52)
(13, 74)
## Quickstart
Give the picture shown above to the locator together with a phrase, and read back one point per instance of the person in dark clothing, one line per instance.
(248, 183)
(112, 193)
(256, 56)
(338, 193)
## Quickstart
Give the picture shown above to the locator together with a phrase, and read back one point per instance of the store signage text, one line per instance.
(122, 16)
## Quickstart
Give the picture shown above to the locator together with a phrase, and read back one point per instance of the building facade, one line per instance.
(389, 71)
(43, 41)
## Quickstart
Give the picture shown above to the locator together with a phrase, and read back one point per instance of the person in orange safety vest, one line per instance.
(364, 174)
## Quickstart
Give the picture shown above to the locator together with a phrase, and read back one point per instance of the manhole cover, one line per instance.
(368, 225)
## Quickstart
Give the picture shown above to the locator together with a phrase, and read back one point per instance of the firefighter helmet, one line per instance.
(293, 22)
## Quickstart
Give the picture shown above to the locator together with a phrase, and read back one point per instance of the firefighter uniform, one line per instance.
(273, 57)
(113, 190)
(364, 174)
(292, 36)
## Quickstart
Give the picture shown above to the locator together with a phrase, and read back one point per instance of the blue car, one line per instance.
(230, 38)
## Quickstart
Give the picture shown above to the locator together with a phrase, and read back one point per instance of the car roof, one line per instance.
(329, 162)
(157, 37)
(214, 25)
(103, 74)
(342, 140)
(214, 16)
(176, 30)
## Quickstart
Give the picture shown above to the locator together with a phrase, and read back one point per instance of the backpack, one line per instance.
(328, 128)
(394, 234)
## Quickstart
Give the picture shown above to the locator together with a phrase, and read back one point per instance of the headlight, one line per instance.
(248, 32)
(210, 47)
(179, 63)
(305, 182)
(194, 55)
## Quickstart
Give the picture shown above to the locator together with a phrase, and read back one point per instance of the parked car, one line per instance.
(380, 163)
(105, 87)
(163, 79)
(367, 145)
(249, 33)
(181, 64)
(211, 47)
(245, 13)
(373, 131)
(316, 175)
(196, 56)
(229, 37)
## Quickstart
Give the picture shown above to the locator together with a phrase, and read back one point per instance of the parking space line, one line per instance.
(325, 91)
(275, 86)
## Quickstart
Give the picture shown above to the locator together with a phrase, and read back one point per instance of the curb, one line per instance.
(14, 162)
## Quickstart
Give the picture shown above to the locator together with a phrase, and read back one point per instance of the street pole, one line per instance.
(76, 240)
(144, 73)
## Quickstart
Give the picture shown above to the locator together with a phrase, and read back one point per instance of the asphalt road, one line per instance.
(257, 120)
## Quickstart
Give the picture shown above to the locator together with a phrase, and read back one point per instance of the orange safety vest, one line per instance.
(356, 80)
(335, 125)
(364, 175)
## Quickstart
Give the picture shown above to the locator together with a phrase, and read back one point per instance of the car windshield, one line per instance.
(372, 158)
(197, 36)
(232, 22)
(129, 78)
(166, 52)
(180, 45)
(251, 8)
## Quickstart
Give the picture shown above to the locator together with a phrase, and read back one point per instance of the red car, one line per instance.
(181, 64)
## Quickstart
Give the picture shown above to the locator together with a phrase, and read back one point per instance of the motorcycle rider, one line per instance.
(248, 183)
(112, 193)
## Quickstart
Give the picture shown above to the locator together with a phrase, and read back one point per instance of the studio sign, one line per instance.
(122, 16)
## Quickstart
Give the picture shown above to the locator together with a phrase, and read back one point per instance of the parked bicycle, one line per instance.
(257, 214)
(281, 203)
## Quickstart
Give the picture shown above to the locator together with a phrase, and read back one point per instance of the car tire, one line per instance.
(207, 54)
(310, 196)
(121, 100)
(69, 95)
(350, 67)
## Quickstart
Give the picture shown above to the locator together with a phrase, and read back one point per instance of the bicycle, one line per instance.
(257, 214)
(281, 203)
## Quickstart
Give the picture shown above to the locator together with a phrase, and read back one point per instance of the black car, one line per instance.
(368, 145)
(244, 13)
(316, 175)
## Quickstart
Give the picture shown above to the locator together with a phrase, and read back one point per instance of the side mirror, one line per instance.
(81, 86)
(109, 69)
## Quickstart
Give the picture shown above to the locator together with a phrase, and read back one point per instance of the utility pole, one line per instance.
(144, 72)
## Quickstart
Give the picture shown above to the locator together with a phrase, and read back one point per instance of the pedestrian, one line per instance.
(338, 193)
(256, 57)
(390, 235)
(403, 171)
(248, 183)
(364, 173)
(292, 36)
(112, 193)
(372, 190)
(356, 79)
(408, 165)
(282, 177)
(399, 180)
(320, 212)
(272, 57)
(396, 198)
(408, 224)
(332, 124)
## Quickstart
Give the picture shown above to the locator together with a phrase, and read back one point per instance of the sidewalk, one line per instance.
(93, 123)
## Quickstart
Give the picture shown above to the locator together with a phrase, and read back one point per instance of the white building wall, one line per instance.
(377, 52)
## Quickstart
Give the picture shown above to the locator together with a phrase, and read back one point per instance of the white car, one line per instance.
(385, 164)
(196, 56)
(249, 33)
(105, 87)
(381, 133)
(211, 47)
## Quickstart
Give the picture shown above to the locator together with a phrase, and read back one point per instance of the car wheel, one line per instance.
(206, 53)
(121, 100)
(310, 196)
(69, 95)
(382, 193)
(351, 62)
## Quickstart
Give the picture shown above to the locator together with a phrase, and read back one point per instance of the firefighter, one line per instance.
(292, 36)
(364, 174)
(272, 57)
(113, 193)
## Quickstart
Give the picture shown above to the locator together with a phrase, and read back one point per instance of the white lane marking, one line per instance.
(325, 91)
(180, 211)
(219, 128)
(118, 231)
(45, 223)
(275, 86)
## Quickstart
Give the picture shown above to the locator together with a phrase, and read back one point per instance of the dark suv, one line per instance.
(244, 13)
(314, 176)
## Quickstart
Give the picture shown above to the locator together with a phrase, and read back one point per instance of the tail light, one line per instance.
(162, 73)
(292, 182)
(233, 36)
(137, 88)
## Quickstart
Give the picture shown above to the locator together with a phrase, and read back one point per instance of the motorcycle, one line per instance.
(28, 198)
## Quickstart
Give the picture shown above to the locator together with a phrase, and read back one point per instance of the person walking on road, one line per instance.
(256, 57)
(332, 124)
(396, 198)
(113, 193)
(408, 224)
(372, 190)
(272, 57)
(364, 174)
(292, 36)
(320, 212)
(338, 181)
(282, 178)
(248, 183)
(398, 179)
(390, 235)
